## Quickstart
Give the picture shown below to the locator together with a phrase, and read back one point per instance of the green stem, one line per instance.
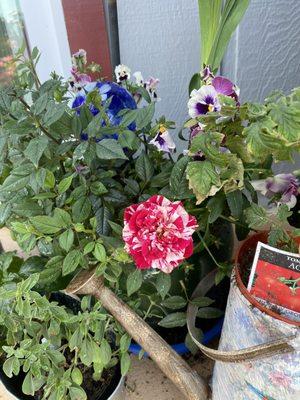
(208, 250)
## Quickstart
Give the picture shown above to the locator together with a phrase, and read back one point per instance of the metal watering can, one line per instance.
(258, 356)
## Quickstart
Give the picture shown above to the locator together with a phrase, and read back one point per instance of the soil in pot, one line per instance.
(95, 390)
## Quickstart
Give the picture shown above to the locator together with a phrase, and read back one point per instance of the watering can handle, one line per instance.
(174, 367)
(260, 351)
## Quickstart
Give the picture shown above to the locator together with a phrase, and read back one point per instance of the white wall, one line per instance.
(264, 55)
(161, 38)
(46, 29)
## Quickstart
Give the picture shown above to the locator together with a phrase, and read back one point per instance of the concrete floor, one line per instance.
(145, 381)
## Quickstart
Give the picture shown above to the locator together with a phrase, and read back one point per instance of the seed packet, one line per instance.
(275, 277)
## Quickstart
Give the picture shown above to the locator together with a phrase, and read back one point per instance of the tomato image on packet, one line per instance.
(275, 277)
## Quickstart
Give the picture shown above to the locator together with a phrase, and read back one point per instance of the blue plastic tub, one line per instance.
(181, 348)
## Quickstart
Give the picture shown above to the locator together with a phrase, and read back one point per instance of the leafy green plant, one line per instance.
(55, 346)
(217, 24)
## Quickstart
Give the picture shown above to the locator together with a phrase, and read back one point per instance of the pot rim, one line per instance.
(251, 240)
(111, 397)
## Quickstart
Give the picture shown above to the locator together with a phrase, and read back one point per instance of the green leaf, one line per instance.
(210, 15)
(163, 284)
(5, 211)
(45, 224)
(134, 282)
(203, 179)
(235, 203)
(144, 168)
(97, 188)
(215, 206)
(190, 344)
(64, 185)
(81, 209)
(288, 119)
(77, 393)
(62, 217)
(40, 104)
(52, 270)
(202, 301)
(105, 351)
(54, 113)
(256, 216)
(232, 14)
(28, 385)
(8, 366)
(125, 363)
(195, 82)
(178, 180)
(209, 312)
(76, 125)
(71, 262)
(88, 248)
(174, 302)
(173, 320)
(76, 376)
(116, 228)
(49, 182)
(109, 149)
(99, 252)
(66, 240)
(27, 208)
(128, 139)
(144, 116)
(125, 342)
(260, 140)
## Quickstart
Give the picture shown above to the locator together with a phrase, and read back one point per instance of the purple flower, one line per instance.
(207, 75)
(282, 188)
(163, 141)
(203, 100)
(225, 87)
(79, 59)
(151, 85)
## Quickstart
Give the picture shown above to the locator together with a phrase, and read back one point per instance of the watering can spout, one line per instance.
(173, 366)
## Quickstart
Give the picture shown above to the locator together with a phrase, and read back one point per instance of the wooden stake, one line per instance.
(172, 365)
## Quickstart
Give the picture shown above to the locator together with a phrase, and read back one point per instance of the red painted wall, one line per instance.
(85, 22)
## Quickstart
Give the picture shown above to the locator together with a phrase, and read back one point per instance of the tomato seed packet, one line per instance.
(275, 277)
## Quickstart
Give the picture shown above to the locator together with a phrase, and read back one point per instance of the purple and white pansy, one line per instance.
(207, 98)
(163, 140)
(281, 188)
(203, 100)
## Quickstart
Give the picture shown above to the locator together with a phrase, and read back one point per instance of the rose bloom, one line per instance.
(158, 233)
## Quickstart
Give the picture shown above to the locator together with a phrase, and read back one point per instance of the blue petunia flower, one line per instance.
(120, 99)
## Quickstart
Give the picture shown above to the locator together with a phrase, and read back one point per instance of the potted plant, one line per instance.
(66, 175)
(74, 156)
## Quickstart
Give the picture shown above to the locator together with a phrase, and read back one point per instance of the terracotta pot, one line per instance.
(249, 245)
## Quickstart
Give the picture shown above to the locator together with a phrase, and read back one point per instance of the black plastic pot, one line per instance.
(113, 391)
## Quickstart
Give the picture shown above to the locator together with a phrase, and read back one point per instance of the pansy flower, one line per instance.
(139, 80)
(163, 140)
(151, 85)
(79, 59)
(207, 75)
(203, 100)
(119, 98)
(282, 188)
(122, 73)
(78, 80)
(225, 87)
